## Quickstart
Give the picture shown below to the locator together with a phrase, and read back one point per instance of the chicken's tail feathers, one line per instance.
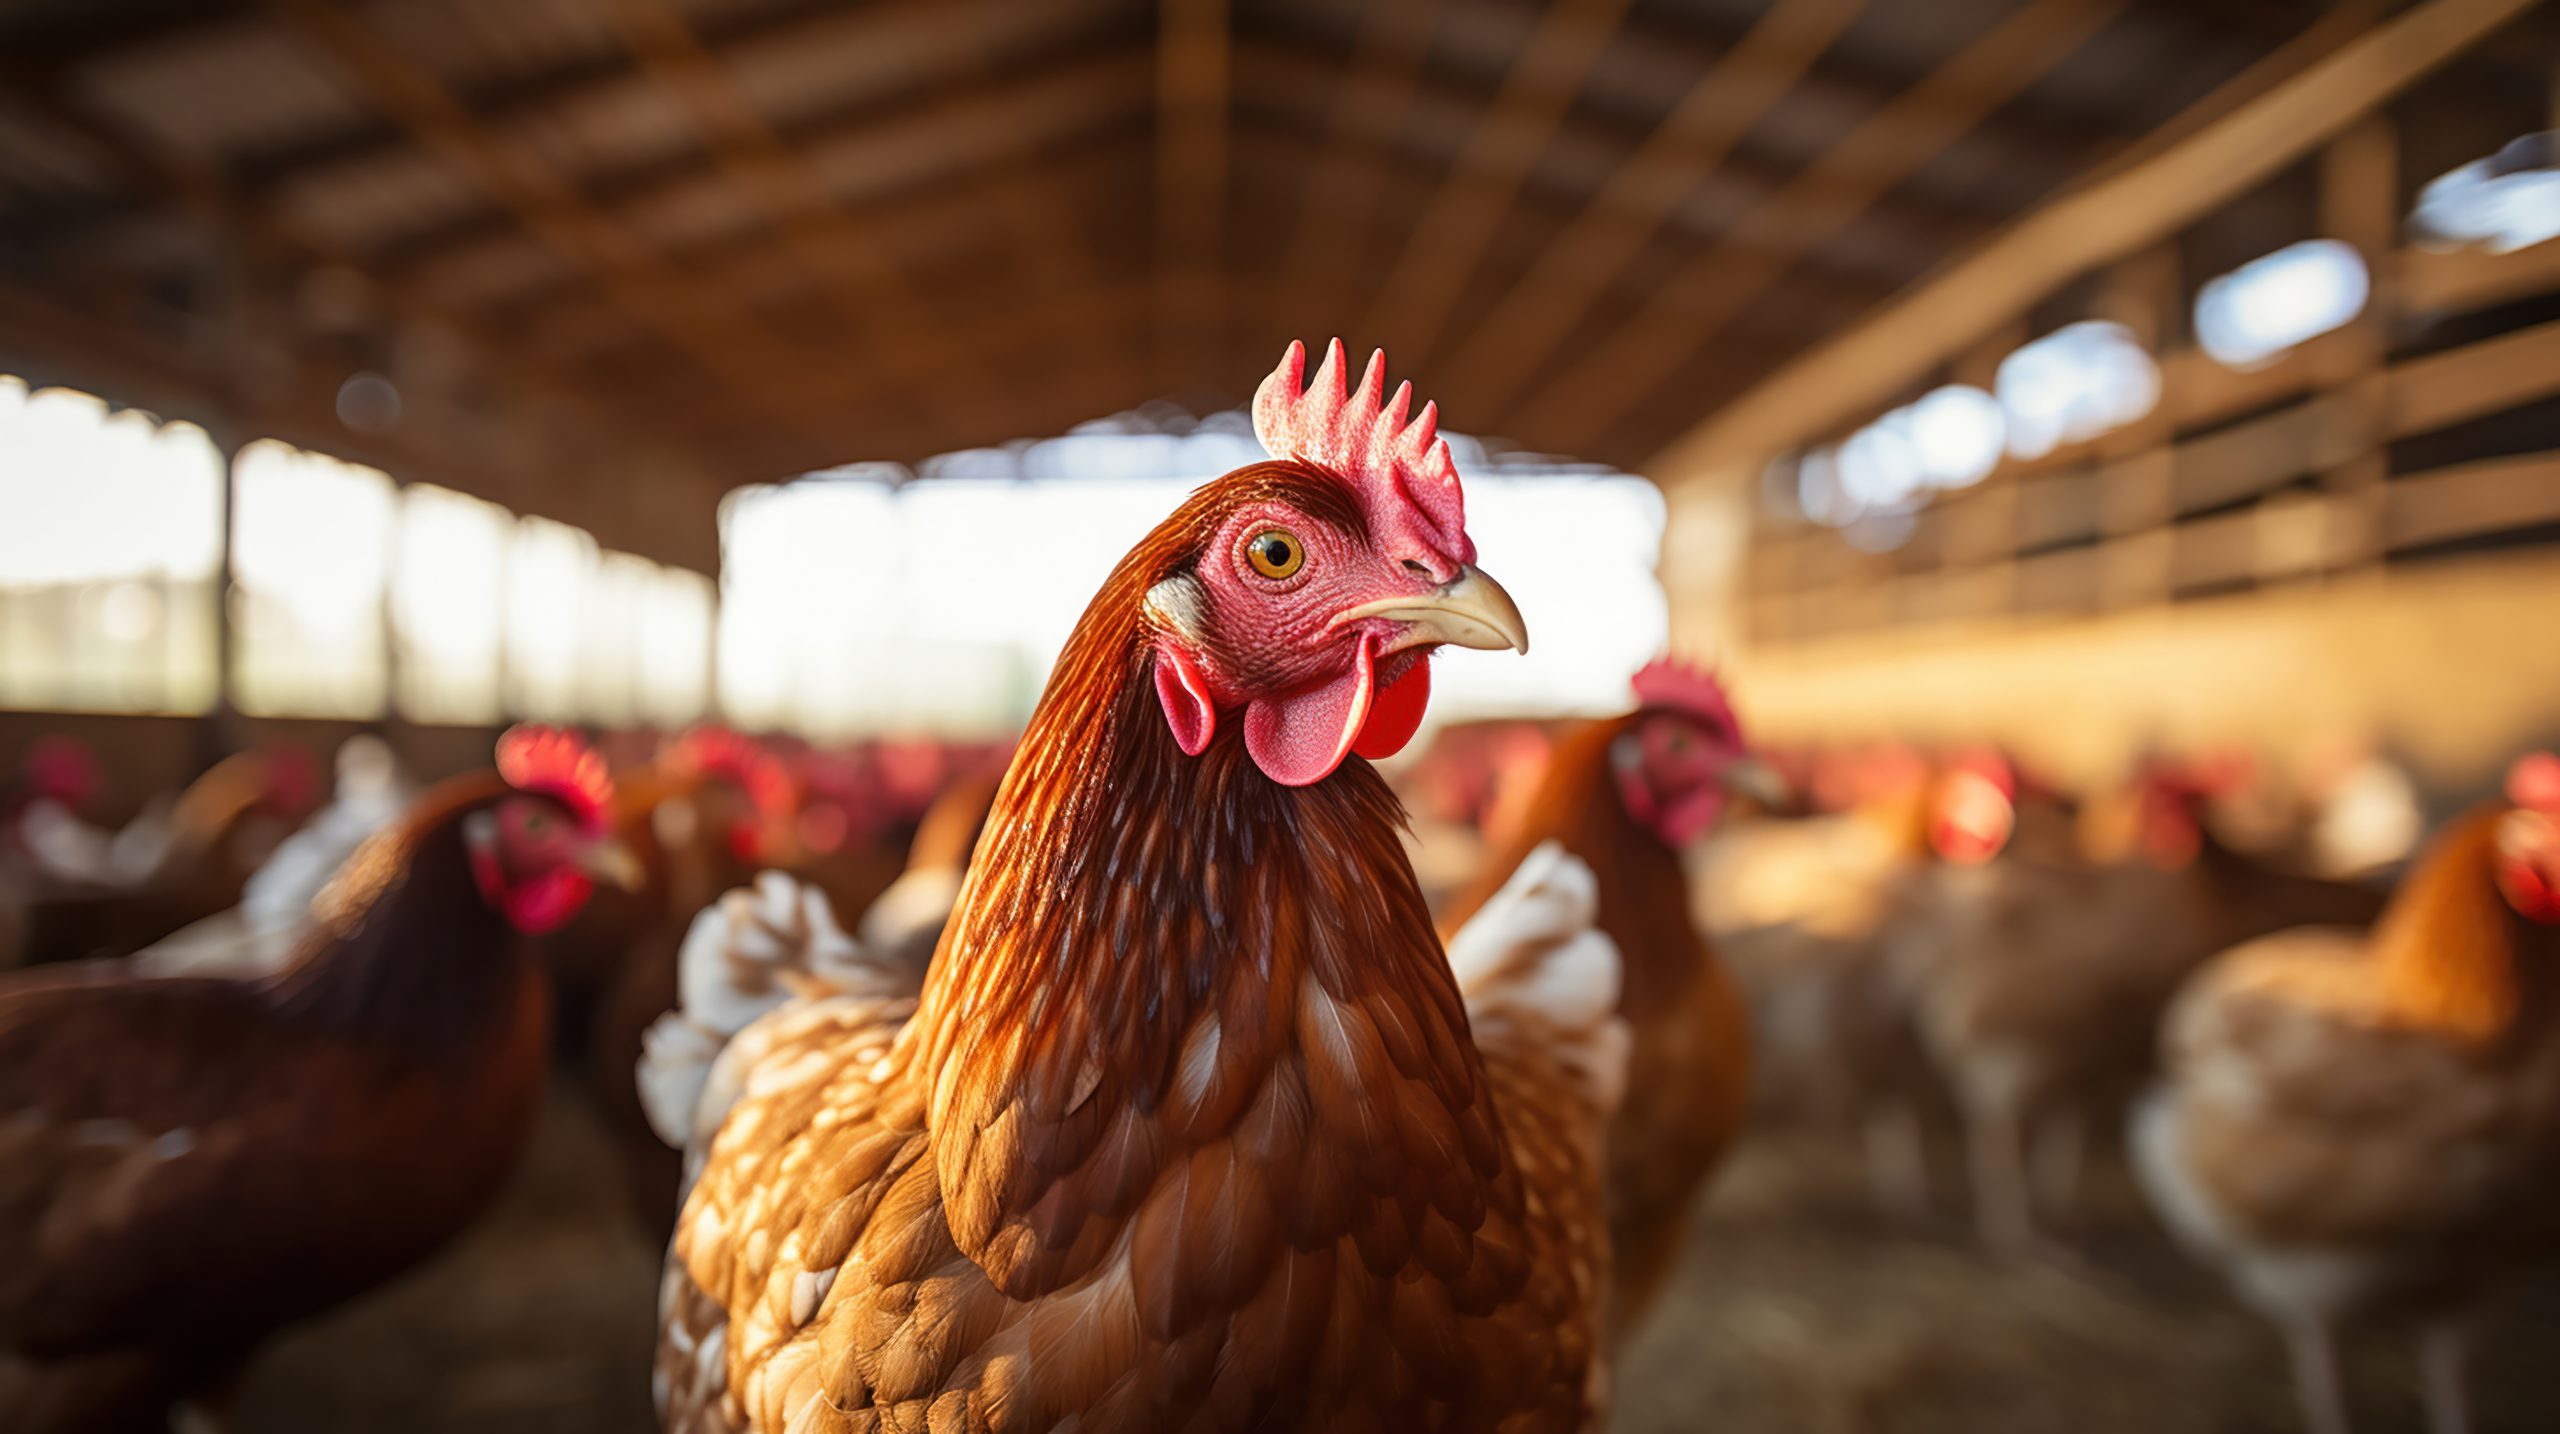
(1534, 956)
(744, 955)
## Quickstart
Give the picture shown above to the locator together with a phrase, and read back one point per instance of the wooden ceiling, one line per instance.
(620, 255)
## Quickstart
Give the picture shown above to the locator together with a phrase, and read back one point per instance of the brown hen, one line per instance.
(1191, 1126)
(187, 1164)
(1626, 795)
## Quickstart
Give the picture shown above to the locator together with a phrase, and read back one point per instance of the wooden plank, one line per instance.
(2479, 379)
(1502, 352)
(1441, 253)
(1862, 370)
(2470, 499)
(2247, 459)
(1830, 195)
(2458, 282)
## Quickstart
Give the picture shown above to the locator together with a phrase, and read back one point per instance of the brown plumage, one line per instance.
(187, 1164)
(1689, 1072)
(2356, 1126)
(1189, 1129)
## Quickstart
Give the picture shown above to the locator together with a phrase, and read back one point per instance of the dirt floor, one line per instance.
(1799, 1310)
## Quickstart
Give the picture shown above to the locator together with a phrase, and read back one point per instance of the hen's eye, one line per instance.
(1276, 553)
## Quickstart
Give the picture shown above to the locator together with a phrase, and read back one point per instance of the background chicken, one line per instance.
(713, 810)
(904, 924)
(1807, 910)
(1627, 796)
(186, 857)
(2355, 1126)
(1190, 1111)
(191, 1163)
(275, 905)
(2042, 964)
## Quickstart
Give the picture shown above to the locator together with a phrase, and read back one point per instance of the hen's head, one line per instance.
(2529, 839)
(537, 850)
(1306, 594)
(1683, 754)
(759, 831)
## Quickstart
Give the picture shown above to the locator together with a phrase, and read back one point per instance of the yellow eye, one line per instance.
(1276, 553)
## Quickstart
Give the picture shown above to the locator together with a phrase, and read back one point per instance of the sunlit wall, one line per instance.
(852, 603)
(353, 596)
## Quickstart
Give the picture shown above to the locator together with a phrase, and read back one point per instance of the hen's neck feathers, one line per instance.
(2450, 951)
(405, 954)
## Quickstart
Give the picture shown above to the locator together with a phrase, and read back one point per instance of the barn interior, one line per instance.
(2108, 450)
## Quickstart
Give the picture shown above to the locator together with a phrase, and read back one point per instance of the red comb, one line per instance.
(557, 764)
(1685, 687)
(2534, 781)
(1407, 482)
(719, 752)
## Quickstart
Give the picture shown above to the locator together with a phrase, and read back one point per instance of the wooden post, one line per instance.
(2360, 204)
(2136, 499)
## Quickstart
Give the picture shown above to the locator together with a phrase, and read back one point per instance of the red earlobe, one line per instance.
(1188, 708)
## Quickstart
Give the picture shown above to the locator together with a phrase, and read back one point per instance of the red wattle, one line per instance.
(1395, 714)
(1298, 739)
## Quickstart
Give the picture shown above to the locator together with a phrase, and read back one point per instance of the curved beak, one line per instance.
(1470, 611)
(1756, 779)
(612, 863)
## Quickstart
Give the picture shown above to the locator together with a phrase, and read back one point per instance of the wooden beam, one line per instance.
(1340, 199)
(1865, 368)
(1829, 196)
(830, 243)
(567, 324)
(623, 445)
(913, 153)
(1501, 353)
(1275, 78)
(736, 351)
(1191, 183)
(1412, 304)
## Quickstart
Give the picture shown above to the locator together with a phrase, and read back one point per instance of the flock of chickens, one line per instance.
(1168, 1078)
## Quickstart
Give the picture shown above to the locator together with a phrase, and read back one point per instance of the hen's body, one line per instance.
(2043, 979)
(187, 1164)
(1689, 1067)
(1189, 1129)
(2357, 1125)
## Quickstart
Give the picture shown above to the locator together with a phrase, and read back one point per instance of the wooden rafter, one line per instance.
(2093, 225)
(1270, 74)
(1010, 124)
(1413, 303)
(842, 251)
(1830, 195)
(741, 269)
(736, 351)
(624, 443)
(1339, 199)
(1191, 181)
(1502, 352)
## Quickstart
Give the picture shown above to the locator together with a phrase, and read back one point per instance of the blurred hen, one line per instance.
(1628, 795)
(190, 1163)
(2354, 1126)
